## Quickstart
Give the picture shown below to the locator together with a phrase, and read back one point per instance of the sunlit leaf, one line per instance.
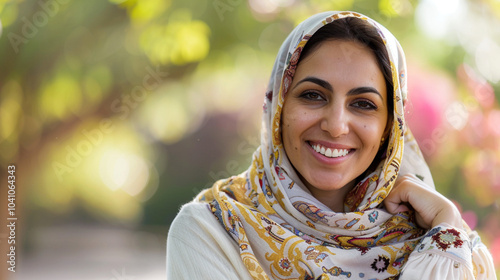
(145, 10)
(168, 113)
(181, 41)
(10, 109)
(8, 13)
(337, 5)
(60, 97)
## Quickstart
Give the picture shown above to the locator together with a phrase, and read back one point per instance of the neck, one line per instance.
(334, 199)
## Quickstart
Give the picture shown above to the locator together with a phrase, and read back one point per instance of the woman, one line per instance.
(338, 187)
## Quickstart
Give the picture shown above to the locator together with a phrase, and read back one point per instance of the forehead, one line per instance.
(341, 60)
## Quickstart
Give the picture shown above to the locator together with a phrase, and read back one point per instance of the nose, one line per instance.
(335, 120)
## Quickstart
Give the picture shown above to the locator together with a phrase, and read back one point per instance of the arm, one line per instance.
(199, 248)
(447, 251)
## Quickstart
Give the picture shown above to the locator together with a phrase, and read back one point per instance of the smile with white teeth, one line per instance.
(331, 153)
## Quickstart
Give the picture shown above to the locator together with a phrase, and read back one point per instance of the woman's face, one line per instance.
(334, 116)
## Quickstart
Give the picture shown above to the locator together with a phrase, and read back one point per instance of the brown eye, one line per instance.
(365, 105)
(312, 95)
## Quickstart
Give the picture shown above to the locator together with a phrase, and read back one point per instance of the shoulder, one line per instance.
(197, 238)
(193, 210)
(193, 217)
(195, 223)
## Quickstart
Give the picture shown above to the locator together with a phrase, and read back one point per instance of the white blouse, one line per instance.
(198, 247)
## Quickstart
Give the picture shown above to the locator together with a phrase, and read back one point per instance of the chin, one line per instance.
(324, 183)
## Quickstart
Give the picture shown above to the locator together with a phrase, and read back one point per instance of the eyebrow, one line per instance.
(320, 82)
(326, 85)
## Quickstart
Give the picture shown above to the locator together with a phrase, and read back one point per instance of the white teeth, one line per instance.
(336, 153)
(328, 152)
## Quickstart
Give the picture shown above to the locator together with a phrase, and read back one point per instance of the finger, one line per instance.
(395, 208)
(398, 199)
(407, 177)
(395, 204)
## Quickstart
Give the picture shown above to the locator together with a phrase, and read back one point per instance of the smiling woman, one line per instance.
(338, 186)
(333, 120)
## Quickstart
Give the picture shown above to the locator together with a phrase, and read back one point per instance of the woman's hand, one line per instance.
(431, 208)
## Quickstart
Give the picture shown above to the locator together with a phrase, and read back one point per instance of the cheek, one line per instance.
(371, 133)
(288, 124)
(295, 122)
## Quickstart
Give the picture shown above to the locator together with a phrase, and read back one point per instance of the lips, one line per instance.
(329, 152)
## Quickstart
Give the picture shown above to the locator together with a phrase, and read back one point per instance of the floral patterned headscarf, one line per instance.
(283, 232)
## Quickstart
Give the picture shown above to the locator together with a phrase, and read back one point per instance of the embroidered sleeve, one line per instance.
(482, 261)
(446, 252)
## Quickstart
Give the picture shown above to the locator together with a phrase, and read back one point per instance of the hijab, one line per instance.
(282, 231)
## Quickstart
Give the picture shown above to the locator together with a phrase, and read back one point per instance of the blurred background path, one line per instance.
(82, 252)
